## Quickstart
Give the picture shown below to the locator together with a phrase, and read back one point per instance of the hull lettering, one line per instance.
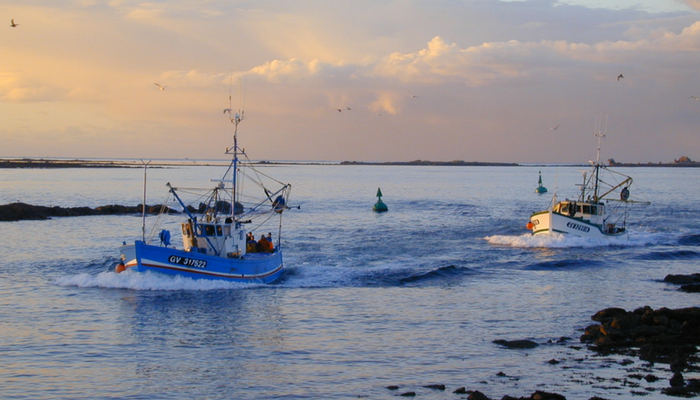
(578, 227)
(188, 262)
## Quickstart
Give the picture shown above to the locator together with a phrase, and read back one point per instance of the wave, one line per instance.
(449, 272)
(670, 255)
(689, 240)
(558, 240)
(563, 264)
(146, 281)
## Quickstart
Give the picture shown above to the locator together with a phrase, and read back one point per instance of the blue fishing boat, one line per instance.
(217, 234)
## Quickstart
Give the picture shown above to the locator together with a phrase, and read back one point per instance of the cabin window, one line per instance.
(209, 229)
(586, 209)
(594, 210)
(219, 232)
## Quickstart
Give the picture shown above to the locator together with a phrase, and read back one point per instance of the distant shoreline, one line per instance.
(80, 163)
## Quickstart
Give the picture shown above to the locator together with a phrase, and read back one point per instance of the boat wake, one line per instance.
(558, 240)
(147, 281)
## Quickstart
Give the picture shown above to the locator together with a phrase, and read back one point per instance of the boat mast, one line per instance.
(143, 208)
(599, 134)
(235, 120)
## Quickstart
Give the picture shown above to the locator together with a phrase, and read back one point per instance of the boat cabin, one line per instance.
(214, 238)
(580, 210)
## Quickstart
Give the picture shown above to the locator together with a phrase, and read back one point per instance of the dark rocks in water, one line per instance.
(392, 387)
(408, 394)
(682, 279)
(477, 395)
(663, 335)
(516, 344)
(23, 211)
(461, 390)
(437, 387)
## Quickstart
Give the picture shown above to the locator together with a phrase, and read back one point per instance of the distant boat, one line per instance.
(540, 189)
(216, 244)
(600, 211)
(379, 206)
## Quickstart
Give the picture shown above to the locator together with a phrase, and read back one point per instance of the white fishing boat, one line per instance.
(216, 234)
(600, 211)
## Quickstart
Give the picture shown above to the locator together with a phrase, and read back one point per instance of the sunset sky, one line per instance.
(443, 80)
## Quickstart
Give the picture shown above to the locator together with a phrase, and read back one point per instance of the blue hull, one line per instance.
(251, 268)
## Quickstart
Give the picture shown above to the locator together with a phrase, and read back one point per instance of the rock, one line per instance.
(516, 344)
(682, 279)
(408, 394)
(477, 395)
(677, 380)
(392, 387)
(538, 395)
(22, 211)
(437, 387)
(461, 390)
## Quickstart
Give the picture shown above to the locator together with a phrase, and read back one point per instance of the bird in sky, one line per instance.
(555, 128)
(339, 110)
(348, 108)
(160, 87)
(413, 96)
(694, 98)
(12, 23)
(620, 77)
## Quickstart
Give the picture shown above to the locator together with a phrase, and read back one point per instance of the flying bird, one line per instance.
(413, 96)
(620, 77)
(555, 128)
(339, 110)
(160, 87)
(12, 23)
(694, 98)
(227, 110)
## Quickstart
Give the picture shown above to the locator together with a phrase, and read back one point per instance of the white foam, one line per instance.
(558, 240)
(146, 281)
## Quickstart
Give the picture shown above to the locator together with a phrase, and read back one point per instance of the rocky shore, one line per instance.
(665, 340)
(22, 211)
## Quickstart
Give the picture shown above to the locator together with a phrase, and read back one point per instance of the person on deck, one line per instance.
(269, 239)
(263, 245)
(251, 244)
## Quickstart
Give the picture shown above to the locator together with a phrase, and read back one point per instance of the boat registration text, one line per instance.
(579, 227)
(189, 262)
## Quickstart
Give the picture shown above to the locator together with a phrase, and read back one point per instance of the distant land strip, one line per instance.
(23, 211)
(78, 163)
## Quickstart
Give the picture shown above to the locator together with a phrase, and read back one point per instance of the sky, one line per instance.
(472, 80)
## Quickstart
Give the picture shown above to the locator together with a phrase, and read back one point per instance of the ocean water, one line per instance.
(412, 297)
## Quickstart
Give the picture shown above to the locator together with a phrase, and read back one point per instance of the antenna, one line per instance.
(599, 134)
(143, 208)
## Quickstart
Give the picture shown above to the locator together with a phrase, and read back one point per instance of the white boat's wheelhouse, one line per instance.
(591, 212)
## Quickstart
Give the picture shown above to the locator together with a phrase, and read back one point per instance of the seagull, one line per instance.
(620, 77)
(161, 87)
(555, 128)
(228, 110)
(348, 108)
(12, 23)
(413, 96)
(339, 110)
(694, 98)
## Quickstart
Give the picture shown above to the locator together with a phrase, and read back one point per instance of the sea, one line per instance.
(371, 305)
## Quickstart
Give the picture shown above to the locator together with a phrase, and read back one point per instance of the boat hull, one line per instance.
(546, 222)
(251, 268)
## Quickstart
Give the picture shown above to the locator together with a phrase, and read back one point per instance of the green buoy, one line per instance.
(540, 189)
(379, 206)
